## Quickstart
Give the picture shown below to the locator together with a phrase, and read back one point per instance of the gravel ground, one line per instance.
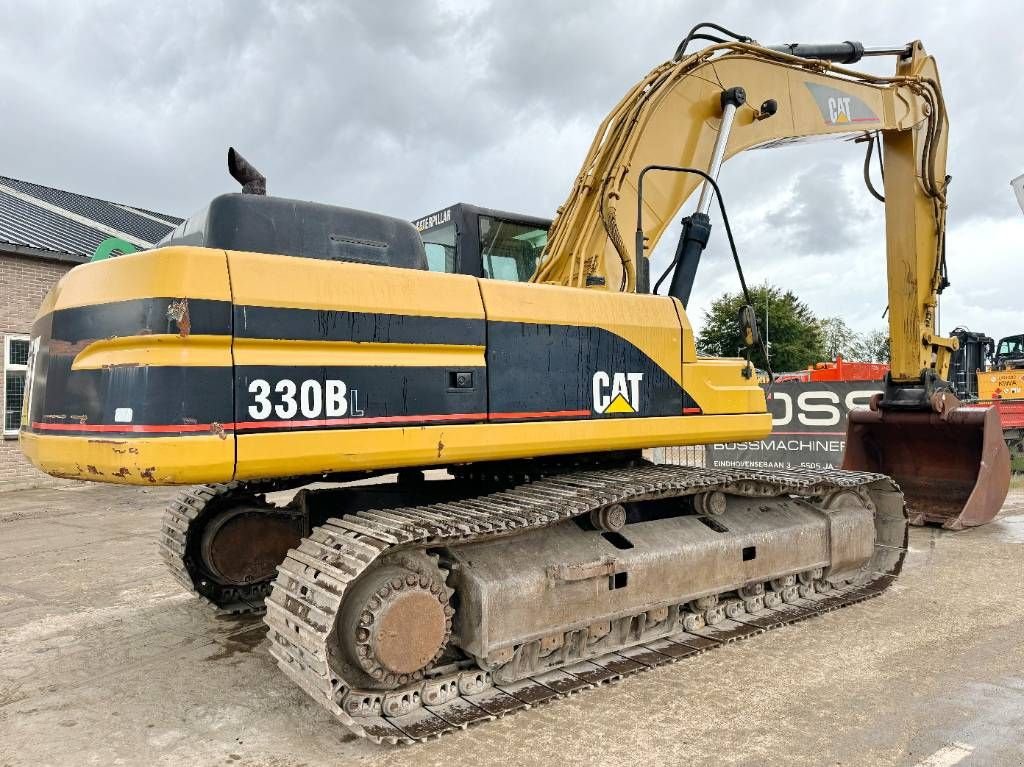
(104, 660)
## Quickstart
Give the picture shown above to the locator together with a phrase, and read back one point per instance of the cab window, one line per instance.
(439, 244)
(510, 250)
(1011, 347)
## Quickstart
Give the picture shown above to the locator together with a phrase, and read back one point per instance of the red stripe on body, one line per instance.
(127, 427)
(542, 414)
(244, 425)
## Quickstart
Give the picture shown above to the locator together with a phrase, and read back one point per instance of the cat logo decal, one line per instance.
(616, 393)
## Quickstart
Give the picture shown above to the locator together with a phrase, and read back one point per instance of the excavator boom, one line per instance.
(671, 133)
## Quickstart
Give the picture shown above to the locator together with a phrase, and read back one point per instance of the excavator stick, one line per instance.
(953, 468)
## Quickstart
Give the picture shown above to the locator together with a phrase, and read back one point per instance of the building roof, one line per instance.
(52, 223)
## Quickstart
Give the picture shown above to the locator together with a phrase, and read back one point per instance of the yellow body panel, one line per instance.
(169, 272)
(724, 405)
(156, 349)
(250, 351)
(262, 455)
(720, 381)
(133, 461)
(210, 458)
(258, 279)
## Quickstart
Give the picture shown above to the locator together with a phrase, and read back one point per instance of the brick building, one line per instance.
(44, 232)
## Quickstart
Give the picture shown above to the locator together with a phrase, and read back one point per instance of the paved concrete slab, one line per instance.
(103, 660)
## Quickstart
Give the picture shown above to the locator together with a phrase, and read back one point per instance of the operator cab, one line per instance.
(1010, 353)
(481, 242)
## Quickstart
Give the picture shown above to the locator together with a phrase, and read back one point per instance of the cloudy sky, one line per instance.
(405, 107)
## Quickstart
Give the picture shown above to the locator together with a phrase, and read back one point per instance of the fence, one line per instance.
(688, 455)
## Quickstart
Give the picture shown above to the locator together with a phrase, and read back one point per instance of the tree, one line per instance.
(794, 333)
(873, 346)
(840, 338)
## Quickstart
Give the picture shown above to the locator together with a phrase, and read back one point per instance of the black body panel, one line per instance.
(280, 226)
(330, 325)
(141, 316)
(550, 368)
(373, 396)
(532, 371)
(176, 399)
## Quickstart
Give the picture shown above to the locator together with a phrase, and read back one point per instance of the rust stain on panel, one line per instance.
(178, 312)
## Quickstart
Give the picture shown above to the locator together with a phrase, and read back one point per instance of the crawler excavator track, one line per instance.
(328, 649)
(181, 541)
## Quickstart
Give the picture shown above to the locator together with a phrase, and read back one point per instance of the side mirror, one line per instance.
(748, 325)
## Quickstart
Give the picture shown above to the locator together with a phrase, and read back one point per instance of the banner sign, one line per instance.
(808, 427)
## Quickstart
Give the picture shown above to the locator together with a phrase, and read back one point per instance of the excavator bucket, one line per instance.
(954, 468)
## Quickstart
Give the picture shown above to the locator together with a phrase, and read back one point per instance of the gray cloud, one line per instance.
(405, 107)
(816, 218)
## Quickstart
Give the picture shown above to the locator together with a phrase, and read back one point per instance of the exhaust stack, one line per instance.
(242, 171)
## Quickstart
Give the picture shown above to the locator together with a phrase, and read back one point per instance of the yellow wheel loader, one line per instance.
(270, 344)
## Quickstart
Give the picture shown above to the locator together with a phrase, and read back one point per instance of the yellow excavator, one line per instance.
(270, 344)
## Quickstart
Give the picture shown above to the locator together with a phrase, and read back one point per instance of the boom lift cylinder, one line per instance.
(697, 227)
